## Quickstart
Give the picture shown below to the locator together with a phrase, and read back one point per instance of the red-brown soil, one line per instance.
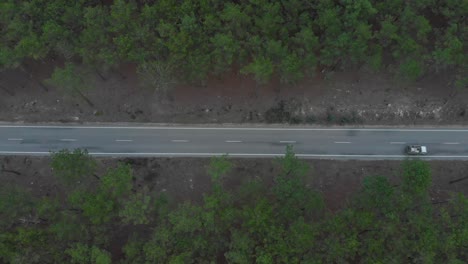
(187, 179)
(354, 97)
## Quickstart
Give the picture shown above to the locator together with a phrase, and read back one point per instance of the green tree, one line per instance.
(179, 238)
(73, 166)
(261, 68)
(15, 203)
(241, 248)
(291, 69)
(126, 29)
(117, 182)
(449, 49)
(377, 194)
(94, 44)
(410, 69)
(293, 197)
(219, 166)
(268, 19)
(80, 253)
(416, 177)
(102, 205)
(25, 245)
(237, 19)
(71, 80)
(225, 49)
(136, 208)
(133, 250)
(157, 75)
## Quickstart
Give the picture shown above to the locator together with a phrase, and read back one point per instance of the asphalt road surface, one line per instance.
(178, 141)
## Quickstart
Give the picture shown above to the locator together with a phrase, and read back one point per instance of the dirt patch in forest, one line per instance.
(358, 97)
(186, 178)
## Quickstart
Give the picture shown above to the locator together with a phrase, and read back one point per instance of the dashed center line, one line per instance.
(15, 139)
(288, 141)
(397, 142)
(179, 140)
(233, 141)
(68, 139)
(342, 142)
(123, 140)
(451, 143)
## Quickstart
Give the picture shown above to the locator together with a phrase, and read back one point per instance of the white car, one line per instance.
(416, 150)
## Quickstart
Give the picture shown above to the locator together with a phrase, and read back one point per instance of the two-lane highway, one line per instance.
(171, 141)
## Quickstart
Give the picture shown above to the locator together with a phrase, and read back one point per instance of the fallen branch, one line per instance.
(7, 90)
(12, 171)
(458, 180)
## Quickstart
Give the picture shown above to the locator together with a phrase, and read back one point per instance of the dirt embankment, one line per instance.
(359, 97)
(186, 178)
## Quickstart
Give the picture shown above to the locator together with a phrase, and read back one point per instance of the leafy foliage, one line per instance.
(263, 37)
(218, 167)
(71, 80)
(73, 166)
(80, 253)
(136, 209)
(15, 203)
(287, 223)
(261, 68)
(102, 205)
(416, 177)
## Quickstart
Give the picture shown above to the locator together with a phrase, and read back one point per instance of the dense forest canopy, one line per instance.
(104, 218)
(200, 38)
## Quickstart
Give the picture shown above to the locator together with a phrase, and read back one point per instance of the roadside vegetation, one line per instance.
(188, 41)
(106, 218)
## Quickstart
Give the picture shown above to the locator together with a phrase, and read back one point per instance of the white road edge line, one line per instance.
(239, 154)
(342, 142)
(397, 142)
(451, 143)
(288, 141)
(68, 139)
(124, 140)
(233, 141)
(179, 140)
(15, 139)
(240, 128)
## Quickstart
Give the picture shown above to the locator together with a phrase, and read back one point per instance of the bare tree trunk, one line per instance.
(12, 171)
(441, 202)
(123, 77)
(7, 90)
(100, 75)
(31, 78)
(42, 86)
(256, 88)
(458, 180)
(86, 99)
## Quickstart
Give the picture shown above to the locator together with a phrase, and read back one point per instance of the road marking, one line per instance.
(451, 143)
(235, 154)
(288, 141)
(342, 142)
(241, 128)
(397, 142)
(124, 140)
(15, 139)
(68, 139)
(233, 141)
(179, 140)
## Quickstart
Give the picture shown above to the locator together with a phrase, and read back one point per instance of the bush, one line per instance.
(277, 114)
(411, 70)
(295, 120)
(310, 119)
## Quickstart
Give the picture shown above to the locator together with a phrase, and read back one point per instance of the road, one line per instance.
(178, 141)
